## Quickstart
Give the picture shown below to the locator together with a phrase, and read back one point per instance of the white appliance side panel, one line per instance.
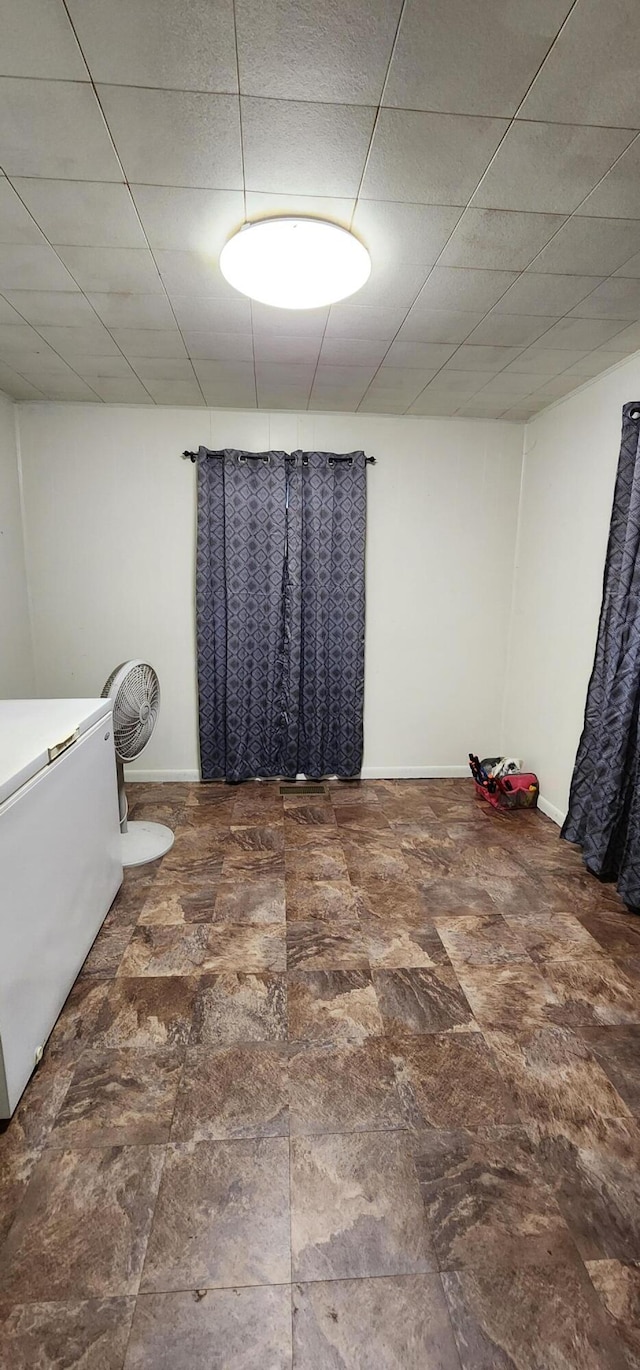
(60, 869)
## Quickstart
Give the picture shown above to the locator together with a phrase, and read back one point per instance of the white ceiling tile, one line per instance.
(16, 386)
(16, 223)
(404, 233)
(434, 404)
(162, 368)
(590, 74)
(590, 247)
(99, 368)
(631, 267)
(18, 340)
(476, 59)
(511, 330)
(395, 382)
(438, 325)
(354, 321)
(375, 403)
(549, 167)
(104, 269)
(461, 383)
(555, 387)
(52, 306)
(479, 408)
(534, 293)
(38, 40)
(278, 348)
(292, 50)
(423, 356)
(54, 128)
(626, 341)
(581, 334)
(332, 401)
(434, 159)
(219, 346)
(17, 337)
(67, 388)
(461, 289)
(202, 313)
(546, 360)
(390, 284)
(616, 298)
(520, 413)
(32, 268)
(349, 352)
(594, 362)
(7, 313)
(511, 384)
(150, 43)
(175, 392)
(280, 374)
(347, 379)
(34, 364)
(309, 149)
(150, 342)
(300, 323)
(88, 338)
(193, 273)
(282, 397)
(221, 373)
(121, 390)
(133, 311)
(267, 205)
(82, 213)
(175, 137)
(478, 358)
(618, 195)
(495, 239)
(229, 396)
(187, 219)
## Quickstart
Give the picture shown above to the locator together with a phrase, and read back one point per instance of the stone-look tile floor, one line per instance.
(348, 1082)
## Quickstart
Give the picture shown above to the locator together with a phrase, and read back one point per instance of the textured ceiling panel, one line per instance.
(487, 154)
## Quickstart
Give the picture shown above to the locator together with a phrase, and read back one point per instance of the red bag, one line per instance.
(511, 791)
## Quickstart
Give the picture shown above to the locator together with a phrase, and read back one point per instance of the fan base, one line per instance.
(143, 842)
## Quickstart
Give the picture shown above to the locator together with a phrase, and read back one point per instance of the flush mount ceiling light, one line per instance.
(295, 263)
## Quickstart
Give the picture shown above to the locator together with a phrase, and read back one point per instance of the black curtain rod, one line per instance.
(193, 456)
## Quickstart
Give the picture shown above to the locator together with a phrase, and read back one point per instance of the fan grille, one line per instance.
(135, 708)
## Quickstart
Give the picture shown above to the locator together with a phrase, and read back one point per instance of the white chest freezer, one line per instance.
(60, 865)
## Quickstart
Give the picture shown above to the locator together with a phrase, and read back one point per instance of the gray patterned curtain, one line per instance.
(280, 613)
(332, 613)
(604, 803)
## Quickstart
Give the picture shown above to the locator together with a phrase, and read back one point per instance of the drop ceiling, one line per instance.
(486, 153)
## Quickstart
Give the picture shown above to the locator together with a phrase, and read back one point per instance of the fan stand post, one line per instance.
(140, 842)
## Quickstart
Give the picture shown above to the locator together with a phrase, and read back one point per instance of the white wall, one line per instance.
(110, 518)
(16, 660)
(571, 457)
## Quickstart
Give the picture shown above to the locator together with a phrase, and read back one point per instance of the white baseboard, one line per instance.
(415, 773)
(132, 775)
(551, 811)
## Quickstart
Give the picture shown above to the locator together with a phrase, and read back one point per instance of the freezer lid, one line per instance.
(30, 728)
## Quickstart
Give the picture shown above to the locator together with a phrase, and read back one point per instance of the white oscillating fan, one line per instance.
(135, 691)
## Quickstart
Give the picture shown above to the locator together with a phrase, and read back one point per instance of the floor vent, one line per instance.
(302, 789)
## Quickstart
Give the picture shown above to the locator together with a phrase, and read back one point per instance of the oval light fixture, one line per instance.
(295, 263)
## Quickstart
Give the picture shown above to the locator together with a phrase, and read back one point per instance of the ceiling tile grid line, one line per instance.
(140, 381)
(503, 139)
(338, 125)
